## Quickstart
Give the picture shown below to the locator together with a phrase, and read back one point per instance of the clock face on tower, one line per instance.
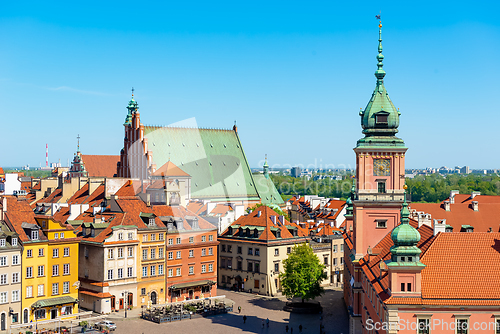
(381, 167)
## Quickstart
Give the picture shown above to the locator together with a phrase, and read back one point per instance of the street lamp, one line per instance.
(125, 293)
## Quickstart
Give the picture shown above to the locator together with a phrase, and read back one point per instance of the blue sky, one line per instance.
(292, 74)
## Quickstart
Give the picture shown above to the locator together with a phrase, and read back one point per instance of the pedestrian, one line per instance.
(262, 323)
(239, 309)
(300, 328)
(267, 322)
(286, 328)
(244, 319)
(291, 330)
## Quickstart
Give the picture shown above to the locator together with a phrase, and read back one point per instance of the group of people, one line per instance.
(266, 323)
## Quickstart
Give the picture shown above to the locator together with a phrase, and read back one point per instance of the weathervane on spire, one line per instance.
(132, 92)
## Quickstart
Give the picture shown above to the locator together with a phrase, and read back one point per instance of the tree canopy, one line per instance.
(303, 274)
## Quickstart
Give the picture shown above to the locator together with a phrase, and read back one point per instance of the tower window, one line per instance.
(382, 119)
(402, 287)
(408, 286)
(381, 223)
(381, 187)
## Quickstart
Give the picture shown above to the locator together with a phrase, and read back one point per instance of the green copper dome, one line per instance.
(349, 201)
(380, 119)
(132, 109)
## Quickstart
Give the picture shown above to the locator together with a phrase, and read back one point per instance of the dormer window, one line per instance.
(120, 236)
(34, 234)
(382, 119)
(2, 242)
(14, 241)
(255, 233)
(278, 234)
(151, 221)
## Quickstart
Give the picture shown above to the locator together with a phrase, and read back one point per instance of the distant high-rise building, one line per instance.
(296, 171)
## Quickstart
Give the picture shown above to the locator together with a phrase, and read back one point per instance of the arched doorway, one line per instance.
(2, 322)
(239, 283)
(130, 301)
(25, 316)
(113, 301)
(153, 297)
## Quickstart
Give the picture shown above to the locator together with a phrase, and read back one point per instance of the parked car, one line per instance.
(106, 324)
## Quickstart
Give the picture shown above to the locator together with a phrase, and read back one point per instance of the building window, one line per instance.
(239, 250)
(3, 279)
(143, 291)
(41, 290)
(191, 270)
(335, 248)
(110, 253)
(153, 253)
(40, 251)
(191, 240)
(462, 326)
(210, 237)
(170, 272)
(170, 255)
(497, 331)
(144, 237)
(178, 241)
(2, 242)
(144, 254)
(15, 297)
(160, 252)
(256, 268)
(110, 274)
(381, 223)
(120, 236)
(55, 288)
(3, 297)
(334, 260)
(203, 238)
(408, 286)
(325, 260)
(144, 271)
(381, 119)
(276, 251)
(203, 251)
(153, 237)
(341, 247)
(130, 251)
(229, 263)
(210, 251)
(250, 251)
(40, 314)
(239, 265)
(178, 255)
(29, 253)
(55, 252)
(191, 253)
(29, 291)
(15, 277)
(15, 260)
(130, 236)
(130, 272)
(223, 248)
(171, 241)
(203, 268)
(178, 271)
(381, 187)
(55, 270)
(160, 236)
(229, 248)
(341, 260)
(276, 267)
(152, 270)
(120, 252)
(160, 269)
(34, 235)
(210, 267)
(66, 251)
(66, 287)
(62, 235)
(3, 261)
(249, 266)
(257, 251)
(29, 272)
(41, 270)
(14, 241)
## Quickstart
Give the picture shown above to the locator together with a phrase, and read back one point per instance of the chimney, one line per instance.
(490, 230)
(452, 196)
(273, 219)
(369, 252)
(148, 199)
(439, 226)
(475, 205)
(281, 218)
(474, 194)
(259, 213)
(4, 208)
(446, 205)
(383, 267)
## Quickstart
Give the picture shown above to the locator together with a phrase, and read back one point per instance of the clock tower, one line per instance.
(380, 167)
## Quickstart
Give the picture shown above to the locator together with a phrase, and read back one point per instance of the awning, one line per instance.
(54, 301)
(191, 284)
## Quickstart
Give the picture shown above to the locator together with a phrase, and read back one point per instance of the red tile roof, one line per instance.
(18, 212)
(100, 165)
(169, 169)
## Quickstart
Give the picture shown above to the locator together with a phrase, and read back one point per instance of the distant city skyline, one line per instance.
(293, 76)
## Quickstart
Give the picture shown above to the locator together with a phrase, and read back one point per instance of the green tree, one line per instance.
(303, 274)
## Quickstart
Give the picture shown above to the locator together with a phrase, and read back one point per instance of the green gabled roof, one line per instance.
(214, 158)
(96, 225)
(267, 190)
(146, 214)
(75, 222)
(54, 301)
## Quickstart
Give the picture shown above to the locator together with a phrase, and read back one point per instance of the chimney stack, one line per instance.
(439, 226)
(452, 196)
(475, 205)
(447, 205)
(474, 194)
